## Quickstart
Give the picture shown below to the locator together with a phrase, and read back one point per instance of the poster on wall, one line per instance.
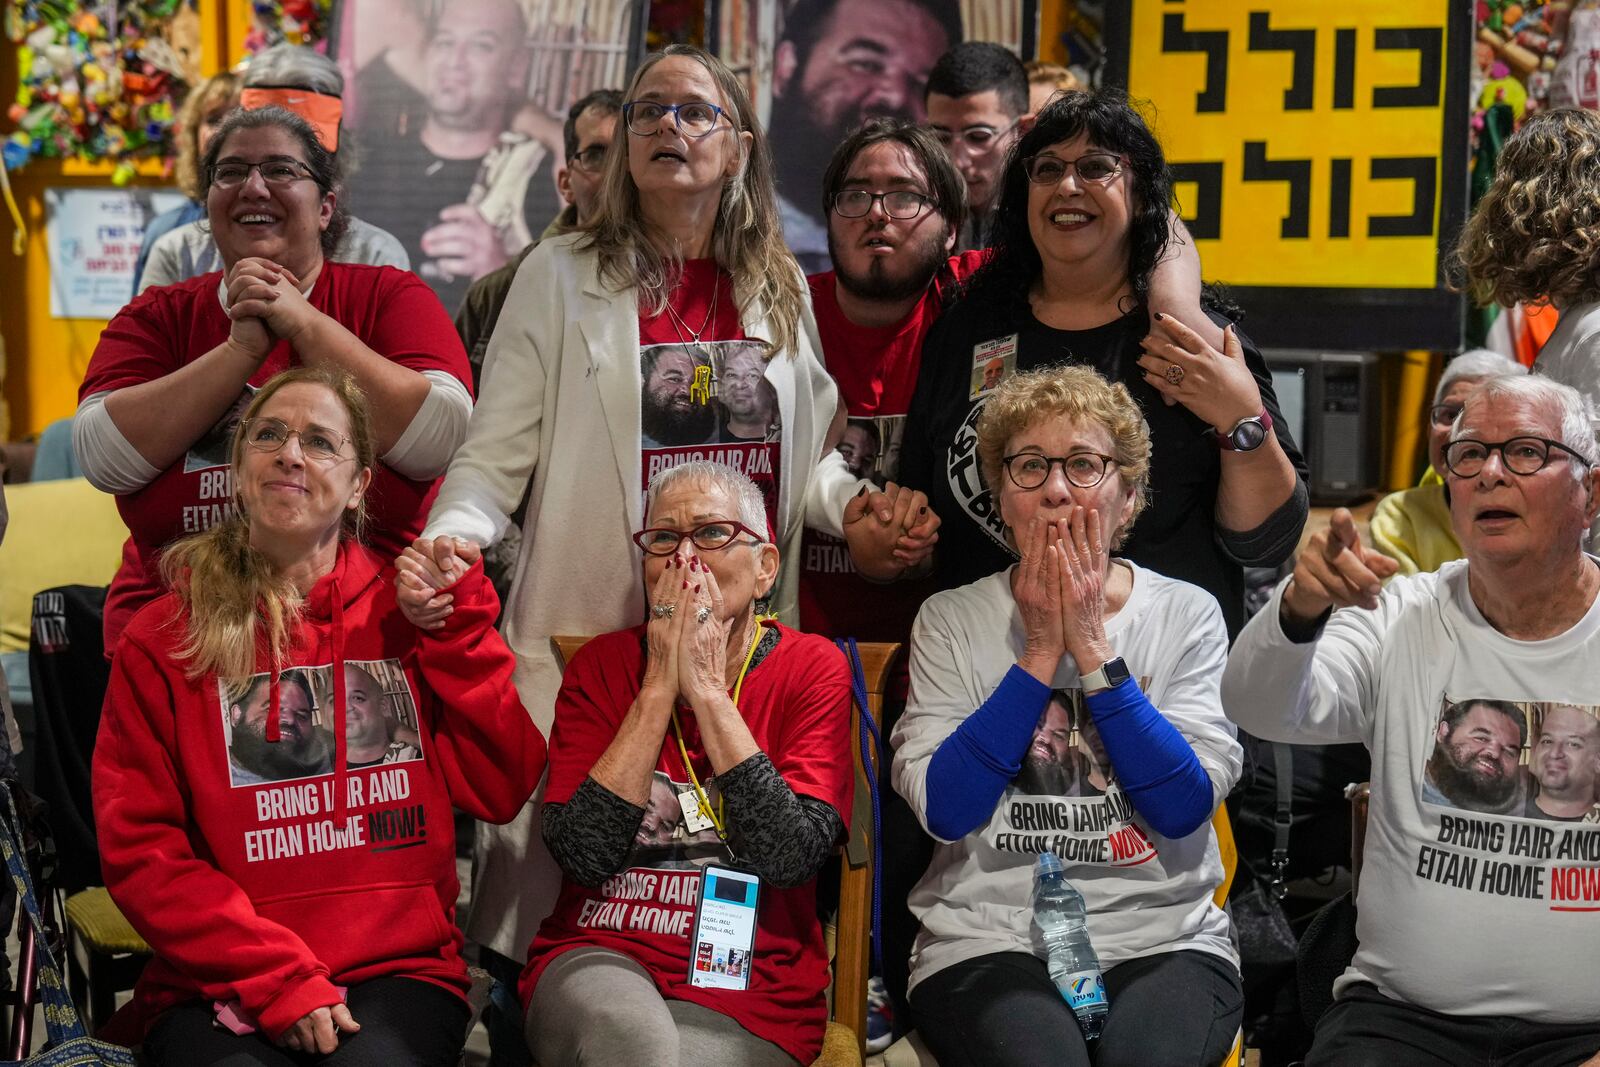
(455, 108)
(818, 68)
(94, 237)
(1319, 153)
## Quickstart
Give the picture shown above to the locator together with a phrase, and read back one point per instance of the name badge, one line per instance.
(695, 818)
(724, 928)
(992, 363)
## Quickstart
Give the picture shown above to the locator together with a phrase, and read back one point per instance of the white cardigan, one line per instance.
(559, 403)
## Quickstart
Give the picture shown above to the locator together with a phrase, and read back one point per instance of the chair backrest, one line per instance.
(852, 961)
(1360, 794)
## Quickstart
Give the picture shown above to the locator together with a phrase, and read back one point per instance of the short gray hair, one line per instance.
(293, 66)
(704, 474)
(1476, 363)
(1576, 415)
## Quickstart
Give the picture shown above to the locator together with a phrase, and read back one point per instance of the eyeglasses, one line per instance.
(694, 119)
(1096, 167)
(1444, 414)
(1465, 457)
(897, 204)
(708, 537)
(590, 158)
(976, 140)
(269, 435)
(273, 172)
(1030, 470)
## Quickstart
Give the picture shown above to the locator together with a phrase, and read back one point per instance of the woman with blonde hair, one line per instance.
(1131, 662)
(685, 254)
(1535, 238)
(299, 899)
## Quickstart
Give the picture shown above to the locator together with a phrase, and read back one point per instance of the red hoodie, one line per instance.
(258, 873)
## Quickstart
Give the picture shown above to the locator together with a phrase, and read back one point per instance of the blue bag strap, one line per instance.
(60, 1014)
(869, 737)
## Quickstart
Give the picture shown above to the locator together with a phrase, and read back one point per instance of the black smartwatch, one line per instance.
(1247, 435)
(1110, 674)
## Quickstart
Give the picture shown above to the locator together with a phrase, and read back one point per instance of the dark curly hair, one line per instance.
(1111, 122)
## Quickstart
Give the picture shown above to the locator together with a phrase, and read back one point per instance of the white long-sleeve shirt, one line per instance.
(1461, 910)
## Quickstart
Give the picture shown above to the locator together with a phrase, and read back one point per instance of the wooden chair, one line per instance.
(844, 1045)
(1360, 796)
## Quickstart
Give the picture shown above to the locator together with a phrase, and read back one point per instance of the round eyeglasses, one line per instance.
(694, 119)
(273, 172)
(1465, 457)
(269, 435)
(708, 537)
(897, 204)
(1030, 470)
(1096, 167)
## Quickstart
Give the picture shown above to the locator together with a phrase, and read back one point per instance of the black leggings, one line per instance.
(1173, 1010)
(404, 1023)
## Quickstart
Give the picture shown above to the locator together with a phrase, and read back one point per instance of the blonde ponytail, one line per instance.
(236, 602)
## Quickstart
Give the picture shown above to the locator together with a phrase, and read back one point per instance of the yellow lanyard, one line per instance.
(704, 801)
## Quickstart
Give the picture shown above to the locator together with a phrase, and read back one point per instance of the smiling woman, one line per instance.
(173, 368)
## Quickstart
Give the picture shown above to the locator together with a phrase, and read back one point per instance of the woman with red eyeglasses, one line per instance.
(725, 736)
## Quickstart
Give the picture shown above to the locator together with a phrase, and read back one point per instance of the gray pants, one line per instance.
(596, 1007)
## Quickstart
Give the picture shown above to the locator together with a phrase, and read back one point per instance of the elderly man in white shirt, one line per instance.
(1477, 925)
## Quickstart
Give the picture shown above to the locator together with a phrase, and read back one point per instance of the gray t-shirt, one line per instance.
(188, 252)
(1145, 893)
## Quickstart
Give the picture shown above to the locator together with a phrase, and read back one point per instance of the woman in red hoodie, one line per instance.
(300, 897)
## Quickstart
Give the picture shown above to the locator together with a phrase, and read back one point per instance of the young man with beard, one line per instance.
(835, 67)
(303, 749)
(1566, 764)
(1475, 758)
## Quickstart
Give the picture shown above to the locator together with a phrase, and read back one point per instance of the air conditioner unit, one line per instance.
(1333, 403)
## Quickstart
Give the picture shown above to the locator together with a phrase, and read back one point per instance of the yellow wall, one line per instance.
(44, 358)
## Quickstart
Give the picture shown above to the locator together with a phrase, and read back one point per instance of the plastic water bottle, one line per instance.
(1074, 968)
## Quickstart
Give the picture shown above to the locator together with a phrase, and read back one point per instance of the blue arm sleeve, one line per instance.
(1157, 767)
(973, 766)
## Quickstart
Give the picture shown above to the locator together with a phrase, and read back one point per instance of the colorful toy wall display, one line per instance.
(99, 81)
(1532, 56)
(288, 21)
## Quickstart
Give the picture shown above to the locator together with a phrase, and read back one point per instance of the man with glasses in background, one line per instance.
(977, 97)
(1476, 929)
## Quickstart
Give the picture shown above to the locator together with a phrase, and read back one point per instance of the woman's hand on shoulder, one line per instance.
(425, 570)
(317, 1032)
(1037, 588)
(1217, 386)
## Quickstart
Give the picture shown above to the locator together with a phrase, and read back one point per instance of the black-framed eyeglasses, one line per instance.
(590, 158)
(1096, 167)
(266, 434)
(897, 203)
(1465, 457)
(273, 172)
(1030, 470)
(1444, 414)
(708, 537)
(694, 119)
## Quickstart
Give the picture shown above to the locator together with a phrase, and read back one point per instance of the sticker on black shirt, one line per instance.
(992, 363)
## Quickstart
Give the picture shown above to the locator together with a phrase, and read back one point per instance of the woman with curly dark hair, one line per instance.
(1082, 223)
(1535, 238)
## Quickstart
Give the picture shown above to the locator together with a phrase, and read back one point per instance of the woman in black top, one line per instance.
(1082, 221)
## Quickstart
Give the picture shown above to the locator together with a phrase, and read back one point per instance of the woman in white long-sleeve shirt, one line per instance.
(175, 369)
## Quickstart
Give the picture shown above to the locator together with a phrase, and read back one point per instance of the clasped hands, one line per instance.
(1060, 592)
(687, 635)
(889, 531)
(266, 306)
(425, 571)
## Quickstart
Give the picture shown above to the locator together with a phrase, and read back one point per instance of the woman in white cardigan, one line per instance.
(607, 367)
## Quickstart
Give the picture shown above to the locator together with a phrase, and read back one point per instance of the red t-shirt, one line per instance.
(796, 702)
(391, 311)
(876, 369)
(706, 400)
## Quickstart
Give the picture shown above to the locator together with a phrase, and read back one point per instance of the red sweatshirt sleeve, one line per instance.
(491, 752)
(196, 918)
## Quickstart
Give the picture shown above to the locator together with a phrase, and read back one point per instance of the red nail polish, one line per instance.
(686, 583)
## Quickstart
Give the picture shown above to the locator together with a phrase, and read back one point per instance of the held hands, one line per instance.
(266, 306)
(317, 1032)
(1217, 386)
(424, 571)
(687, 646)
(890, 531)
(1060, 590)
(1335, 571)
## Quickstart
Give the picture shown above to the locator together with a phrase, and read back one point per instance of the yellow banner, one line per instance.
(1306, 136)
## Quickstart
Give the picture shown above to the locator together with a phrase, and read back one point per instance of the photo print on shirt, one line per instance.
(871, 447)
(992, 363)
(380, 722)
(215, 447)
(1066, 799)
(1529, 759)
(664, 839)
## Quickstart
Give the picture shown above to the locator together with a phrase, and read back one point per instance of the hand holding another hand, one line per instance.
(425, 570)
